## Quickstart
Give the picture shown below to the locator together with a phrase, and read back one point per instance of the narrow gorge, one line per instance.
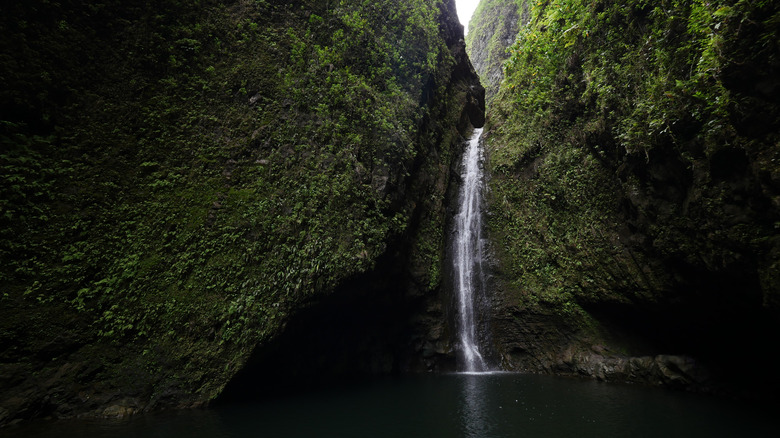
(225, 204)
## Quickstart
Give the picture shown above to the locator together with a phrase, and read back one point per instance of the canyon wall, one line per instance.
(634, 193)
(185, 184)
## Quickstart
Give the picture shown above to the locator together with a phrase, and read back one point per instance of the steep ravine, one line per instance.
(192, 191)
(496, 24)
(634, 191)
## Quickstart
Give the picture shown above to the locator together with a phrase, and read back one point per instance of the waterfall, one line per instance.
(467, 253)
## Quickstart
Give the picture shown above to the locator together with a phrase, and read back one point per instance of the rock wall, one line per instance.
(183, 186)
(634, 200)
(493, 28)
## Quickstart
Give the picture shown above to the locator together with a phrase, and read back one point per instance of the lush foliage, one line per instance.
(177, 178)
(628, 145)
(493, 27)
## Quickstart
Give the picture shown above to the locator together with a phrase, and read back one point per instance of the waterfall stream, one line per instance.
(468, 254)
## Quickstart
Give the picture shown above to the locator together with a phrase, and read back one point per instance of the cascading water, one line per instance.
(467, 253)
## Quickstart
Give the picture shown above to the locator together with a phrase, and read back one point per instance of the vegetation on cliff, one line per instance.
(633, 153)
(178, 178)
(493, 28)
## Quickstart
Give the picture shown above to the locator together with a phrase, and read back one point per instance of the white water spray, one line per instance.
(468, 253)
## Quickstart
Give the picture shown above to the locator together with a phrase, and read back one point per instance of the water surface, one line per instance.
(455, 405)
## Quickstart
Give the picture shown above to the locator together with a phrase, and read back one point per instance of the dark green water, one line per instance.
(495, 405)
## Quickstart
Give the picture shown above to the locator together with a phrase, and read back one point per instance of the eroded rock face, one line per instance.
(266, 161)
(544, 343)
(393, 318)
(622, 251)
(492, 29)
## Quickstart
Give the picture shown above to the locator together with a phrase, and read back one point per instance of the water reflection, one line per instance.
(494, 405)
(475, 413)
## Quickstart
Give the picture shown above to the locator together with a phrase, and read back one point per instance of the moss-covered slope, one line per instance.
(635, 193)
(492, 29)
(178, 178)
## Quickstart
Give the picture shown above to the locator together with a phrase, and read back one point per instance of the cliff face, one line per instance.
(182, 183)
(493, 28)
(634, 199)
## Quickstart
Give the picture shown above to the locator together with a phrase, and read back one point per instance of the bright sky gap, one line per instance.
(465, 9)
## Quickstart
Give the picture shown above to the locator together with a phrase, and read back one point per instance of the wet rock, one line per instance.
(118, 411)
